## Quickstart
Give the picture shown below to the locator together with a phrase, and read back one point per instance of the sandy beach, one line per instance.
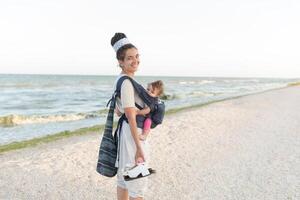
(244, 148)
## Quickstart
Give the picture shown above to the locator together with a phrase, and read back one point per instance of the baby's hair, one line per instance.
(159, 85)
(122, 51)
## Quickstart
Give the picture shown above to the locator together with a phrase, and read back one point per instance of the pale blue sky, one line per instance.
(252, 38)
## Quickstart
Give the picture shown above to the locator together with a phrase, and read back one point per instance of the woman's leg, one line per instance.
(122, 193)
(136, 188)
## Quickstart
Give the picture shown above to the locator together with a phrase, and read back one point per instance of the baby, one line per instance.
(155, 89)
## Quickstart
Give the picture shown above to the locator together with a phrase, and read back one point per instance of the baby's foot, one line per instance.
(143, 137)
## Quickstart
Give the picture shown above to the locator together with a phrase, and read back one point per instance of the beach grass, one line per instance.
(49, 138)
(294, 84)
(99, 128)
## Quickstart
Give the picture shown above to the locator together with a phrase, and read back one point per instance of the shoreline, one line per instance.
(99, 128)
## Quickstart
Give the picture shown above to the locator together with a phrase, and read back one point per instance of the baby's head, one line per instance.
(156, 88)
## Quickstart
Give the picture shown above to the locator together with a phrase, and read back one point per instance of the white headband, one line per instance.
(120, 43)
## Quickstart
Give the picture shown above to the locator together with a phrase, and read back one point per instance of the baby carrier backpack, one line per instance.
(108, 150)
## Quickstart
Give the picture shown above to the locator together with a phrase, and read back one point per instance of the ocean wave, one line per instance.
(241, 81)
(183, 82)
(202, 82)
(176, 96)
(14, 120)
(17, 86)
(205, 82)
(32, 86)
(200, 94)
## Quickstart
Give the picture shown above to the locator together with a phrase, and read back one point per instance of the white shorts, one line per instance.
(136, 188)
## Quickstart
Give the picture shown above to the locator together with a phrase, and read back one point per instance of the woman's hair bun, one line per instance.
(117, 37)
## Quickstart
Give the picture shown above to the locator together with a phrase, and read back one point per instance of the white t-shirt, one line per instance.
(128, 95)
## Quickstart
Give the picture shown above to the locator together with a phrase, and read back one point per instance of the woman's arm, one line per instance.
(144, 111)
(128, 103)
(131, 116)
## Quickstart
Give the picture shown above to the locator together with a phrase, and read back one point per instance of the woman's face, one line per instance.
(131, 61)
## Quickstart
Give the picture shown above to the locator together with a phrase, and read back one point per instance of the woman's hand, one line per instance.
(139, 156)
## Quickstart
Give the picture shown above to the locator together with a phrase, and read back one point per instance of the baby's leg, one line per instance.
(146, 129)
(147, 125)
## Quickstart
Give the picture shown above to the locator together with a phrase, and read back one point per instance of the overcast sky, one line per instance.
(242, 38)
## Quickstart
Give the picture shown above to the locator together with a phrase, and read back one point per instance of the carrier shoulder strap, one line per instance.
(139, 89)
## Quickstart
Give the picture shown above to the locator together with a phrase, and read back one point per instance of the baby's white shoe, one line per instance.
(138, 171)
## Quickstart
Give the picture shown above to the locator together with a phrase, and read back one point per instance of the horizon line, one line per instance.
(54, 74)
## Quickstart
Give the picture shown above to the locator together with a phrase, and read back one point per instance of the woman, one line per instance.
(132, 150)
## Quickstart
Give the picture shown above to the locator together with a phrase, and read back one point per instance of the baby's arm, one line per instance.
(144, 111)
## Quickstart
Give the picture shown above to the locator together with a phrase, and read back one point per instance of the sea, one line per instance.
(34, 106)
